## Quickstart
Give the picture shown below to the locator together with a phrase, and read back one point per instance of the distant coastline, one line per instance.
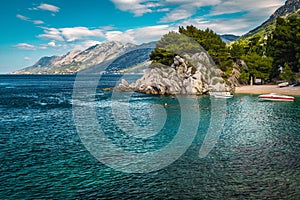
(264, 89)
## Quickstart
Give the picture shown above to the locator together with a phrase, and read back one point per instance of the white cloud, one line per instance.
(52, 34)
(253, 14)
(234, 6)
(25, 46)
(185, 9)
(77, 33)
(38, 22)
(191, 3)
(123, 37)
(178, 9)
(52, 44)
(107, 28)
(71, 34)
(139, 35)
(221, 26)
(163, 10)
(178, 14)
(133, 6)
(82, 45)
(138, 7)
(22, 17)
(48, 7)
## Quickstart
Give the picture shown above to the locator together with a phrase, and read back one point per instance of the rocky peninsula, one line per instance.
(192, 74)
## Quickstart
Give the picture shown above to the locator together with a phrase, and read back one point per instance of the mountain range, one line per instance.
(75, 61)
(115, 57)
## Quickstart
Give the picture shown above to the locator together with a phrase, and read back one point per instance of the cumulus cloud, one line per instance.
(77, 33)
(52, 44)
(52, 34)
(139, 35)
(25, 46)
(71, 34)
(48, 7)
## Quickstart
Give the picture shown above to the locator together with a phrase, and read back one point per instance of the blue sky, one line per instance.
(32, 29)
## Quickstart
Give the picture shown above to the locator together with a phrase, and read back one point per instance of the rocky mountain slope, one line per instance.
(107, 57)
(135, 57)
(291, 7)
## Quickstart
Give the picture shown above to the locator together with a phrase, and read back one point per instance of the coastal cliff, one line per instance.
(193, 74)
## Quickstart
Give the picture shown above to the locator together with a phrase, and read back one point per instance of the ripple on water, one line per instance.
(42, 156)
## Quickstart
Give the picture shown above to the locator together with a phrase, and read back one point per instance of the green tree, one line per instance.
(258, 66)
(212, 43)
(284, 44)
(173, 44)
(237, 51)
(287, 73)
(162, 56)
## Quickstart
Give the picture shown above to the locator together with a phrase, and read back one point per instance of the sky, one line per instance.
(31, 29)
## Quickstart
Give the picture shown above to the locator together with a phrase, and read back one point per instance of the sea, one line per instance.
(71, 137)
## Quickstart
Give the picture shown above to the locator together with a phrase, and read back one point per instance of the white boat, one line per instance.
(221, 95)
(284, 84)
(276, 97)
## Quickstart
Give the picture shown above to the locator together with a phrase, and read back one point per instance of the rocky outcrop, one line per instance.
(189, 74)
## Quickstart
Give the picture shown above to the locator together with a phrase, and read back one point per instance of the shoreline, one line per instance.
(265, 89)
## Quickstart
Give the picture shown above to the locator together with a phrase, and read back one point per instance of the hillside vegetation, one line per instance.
(273, 57)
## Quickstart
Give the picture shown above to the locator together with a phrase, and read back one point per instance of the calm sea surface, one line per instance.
(43, 155)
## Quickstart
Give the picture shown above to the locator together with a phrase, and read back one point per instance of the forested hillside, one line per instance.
(274, 57)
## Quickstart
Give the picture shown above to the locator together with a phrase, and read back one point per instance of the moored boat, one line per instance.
(284, 84)
(221, 95)
(276, 97)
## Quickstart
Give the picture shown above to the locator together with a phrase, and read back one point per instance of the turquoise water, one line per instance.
(44, 155)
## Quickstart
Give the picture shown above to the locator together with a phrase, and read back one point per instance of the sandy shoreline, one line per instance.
(265, 89)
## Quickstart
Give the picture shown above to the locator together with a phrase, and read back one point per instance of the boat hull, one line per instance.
(275, 97)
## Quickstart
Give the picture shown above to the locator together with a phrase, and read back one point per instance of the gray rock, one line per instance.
(192, 75)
